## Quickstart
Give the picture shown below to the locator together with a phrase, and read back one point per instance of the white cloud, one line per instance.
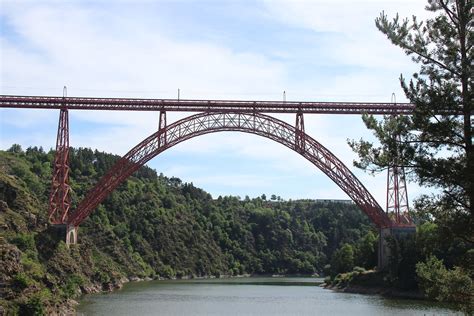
(96, 52)
(347, 38)
(341, 16)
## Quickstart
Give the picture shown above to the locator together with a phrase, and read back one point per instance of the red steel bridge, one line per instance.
(212, 116)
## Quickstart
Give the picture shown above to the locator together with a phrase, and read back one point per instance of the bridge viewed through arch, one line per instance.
(266, 126)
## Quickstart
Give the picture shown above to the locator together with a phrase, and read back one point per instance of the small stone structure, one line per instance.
(398, 232)
(71, 235)
(68, 233)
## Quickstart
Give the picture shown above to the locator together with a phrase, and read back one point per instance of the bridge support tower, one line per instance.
(397, 210)
(396, 232)
(60, 198)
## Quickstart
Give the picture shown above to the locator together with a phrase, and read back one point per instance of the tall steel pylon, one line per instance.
(60, 199)
(397, 194)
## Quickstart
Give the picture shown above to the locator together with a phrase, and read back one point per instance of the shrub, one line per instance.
(72, 285)
(342, 279)
(34, 306)
(167, 271)
(442, 284)
(24, 241)
(34, 268)
(102, 277)
(358, 269)
(21, 281)
(343, 259)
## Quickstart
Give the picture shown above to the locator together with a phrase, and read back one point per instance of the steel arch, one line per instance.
(253, 123)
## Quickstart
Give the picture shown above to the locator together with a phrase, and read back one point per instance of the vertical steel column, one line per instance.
(162, 129)
(300, 133)
(397, 195)
(60, 200)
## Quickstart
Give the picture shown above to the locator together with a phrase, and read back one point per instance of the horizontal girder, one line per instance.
(254, 123)
(128, 104)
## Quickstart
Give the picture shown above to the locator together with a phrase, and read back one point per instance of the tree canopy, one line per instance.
(158, 226)
(434, 144)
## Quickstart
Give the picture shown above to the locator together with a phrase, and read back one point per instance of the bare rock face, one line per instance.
(90, 289)
(135, 279)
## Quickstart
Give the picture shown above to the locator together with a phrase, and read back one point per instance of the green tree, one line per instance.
(435, 142)
(366, 251)
(427, 239)
(442, 284)
(15, 148)
(343, 259)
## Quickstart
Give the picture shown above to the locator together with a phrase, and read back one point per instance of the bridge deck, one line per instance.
(130, 104)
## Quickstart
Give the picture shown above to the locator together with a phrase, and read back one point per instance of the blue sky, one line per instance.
(314, 50)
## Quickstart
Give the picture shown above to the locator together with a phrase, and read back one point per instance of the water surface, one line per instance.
(247, 296)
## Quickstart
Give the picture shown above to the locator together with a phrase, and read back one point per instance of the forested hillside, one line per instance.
(156, 226)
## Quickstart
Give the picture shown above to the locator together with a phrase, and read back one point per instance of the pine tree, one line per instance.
(435, 143)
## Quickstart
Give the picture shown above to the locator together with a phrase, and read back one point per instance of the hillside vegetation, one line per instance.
(154, 226)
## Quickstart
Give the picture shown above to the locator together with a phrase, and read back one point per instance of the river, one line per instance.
(247, 296)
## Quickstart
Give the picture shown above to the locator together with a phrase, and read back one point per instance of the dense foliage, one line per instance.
(434, 144)
(422, 263)
(155, 226)
(446, 285)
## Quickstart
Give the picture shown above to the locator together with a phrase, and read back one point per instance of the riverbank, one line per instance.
(383, 291)
(371, 283)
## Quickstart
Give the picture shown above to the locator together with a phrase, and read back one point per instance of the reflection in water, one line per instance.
(247, 296)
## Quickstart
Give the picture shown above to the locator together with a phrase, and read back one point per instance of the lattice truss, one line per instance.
(397, 196)
(254, 123)
(59, 200)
